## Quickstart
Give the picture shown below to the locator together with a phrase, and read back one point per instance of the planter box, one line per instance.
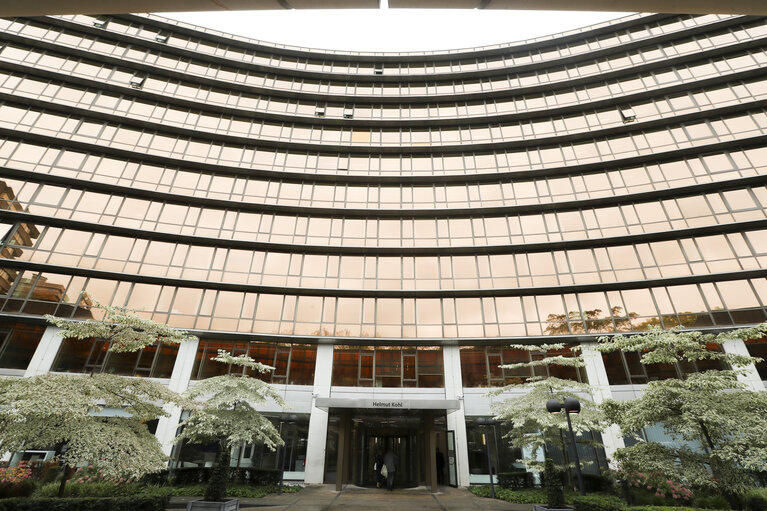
(544, 508)
(205, 505)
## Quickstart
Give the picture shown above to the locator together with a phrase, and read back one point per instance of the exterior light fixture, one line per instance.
(571, 405)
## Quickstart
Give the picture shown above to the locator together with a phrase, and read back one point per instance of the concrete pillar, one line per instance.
(749, 375)
(456, 419)
(318, 419)
(179, 382)
(344, 449)
(597, 375)
(46, 352)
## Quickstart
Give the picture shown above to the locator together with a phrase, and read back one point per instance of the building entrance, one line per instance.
(356, 436)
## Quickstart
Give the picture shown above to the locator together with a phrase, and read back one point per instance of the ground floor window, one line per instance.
(294, 430)
(504, 457)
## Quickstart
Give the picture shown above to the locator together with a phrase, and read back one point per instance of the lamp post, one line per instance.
(571, 405)
(290, 419)
(482, 421)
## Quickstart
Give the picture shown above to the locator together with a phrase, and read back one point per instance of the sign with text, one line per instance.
(389, 404)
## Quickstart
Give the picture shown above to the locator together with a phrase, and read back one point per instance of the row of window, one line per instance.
(193, 149)
(691, 305)
(391, 366)
(533, 100)
(588, 223)
(665, 259)
(168, 62)
(352, 365)
(93, 167)
(325, 63)
(661, 108)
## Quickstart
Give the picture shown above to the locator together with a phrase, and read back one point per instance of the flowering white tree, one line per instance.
(61, 410)
(533, 428)
(710, 407)
(228, 417)
(67, 412)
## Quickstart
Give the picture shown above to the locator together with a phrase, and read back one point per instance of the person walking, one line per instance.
(390, 460)
(440, 467)
(377, 466)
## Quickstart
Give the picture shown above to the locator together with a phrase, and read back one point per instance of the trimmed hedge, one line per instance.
(515, 480)
(598, 503)
(19, 489)
(90, 504)
(711, 502)
(89, 490)
(526, 496)
(756, 500)
(596, 483)
(201, 475)
(662, 508)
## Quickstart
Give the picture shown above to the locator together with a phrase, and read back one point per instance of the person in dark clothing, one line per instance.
(377, 466)
(440, 468)
(390, 460)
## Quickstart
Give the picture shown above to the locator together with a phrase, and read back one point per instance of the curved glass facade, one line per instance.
(375, 223)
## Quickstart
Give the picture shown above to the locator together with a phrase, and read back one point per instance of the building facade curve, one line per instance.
(381, 227)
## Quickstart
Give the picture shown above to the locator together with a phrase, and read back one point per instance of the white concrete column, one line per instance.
(46, 352)
(179, 382)
(318, 418)
(749, 375)
(597, 375)
(456, 419)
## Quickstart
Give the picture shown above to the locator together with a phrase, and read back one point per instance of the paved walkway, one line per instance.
(352, 498)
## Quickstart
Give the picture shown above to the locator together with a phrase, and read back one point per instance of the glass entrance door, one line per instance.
(370, 431)
(404, 448)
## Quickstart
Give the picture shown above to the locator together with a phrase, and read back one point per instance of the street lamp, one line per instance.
(571, 405)
(290, 419)
(482, 421)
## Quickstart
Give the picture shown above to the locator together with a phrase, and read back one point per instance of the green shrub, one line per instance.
(83, 490)
(242, 491)
(515, 480)
(480, 491)
(712, 502)
(756, 500)
(598, 503)
(201, 475)
(85, 504)
(596, 483)
(17, 489)
(645, 498)
(524, 496)
(661, 508)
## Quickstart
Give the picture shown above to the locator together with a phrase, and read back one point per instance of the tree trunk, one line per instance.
(65, 475)
(216, 490)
